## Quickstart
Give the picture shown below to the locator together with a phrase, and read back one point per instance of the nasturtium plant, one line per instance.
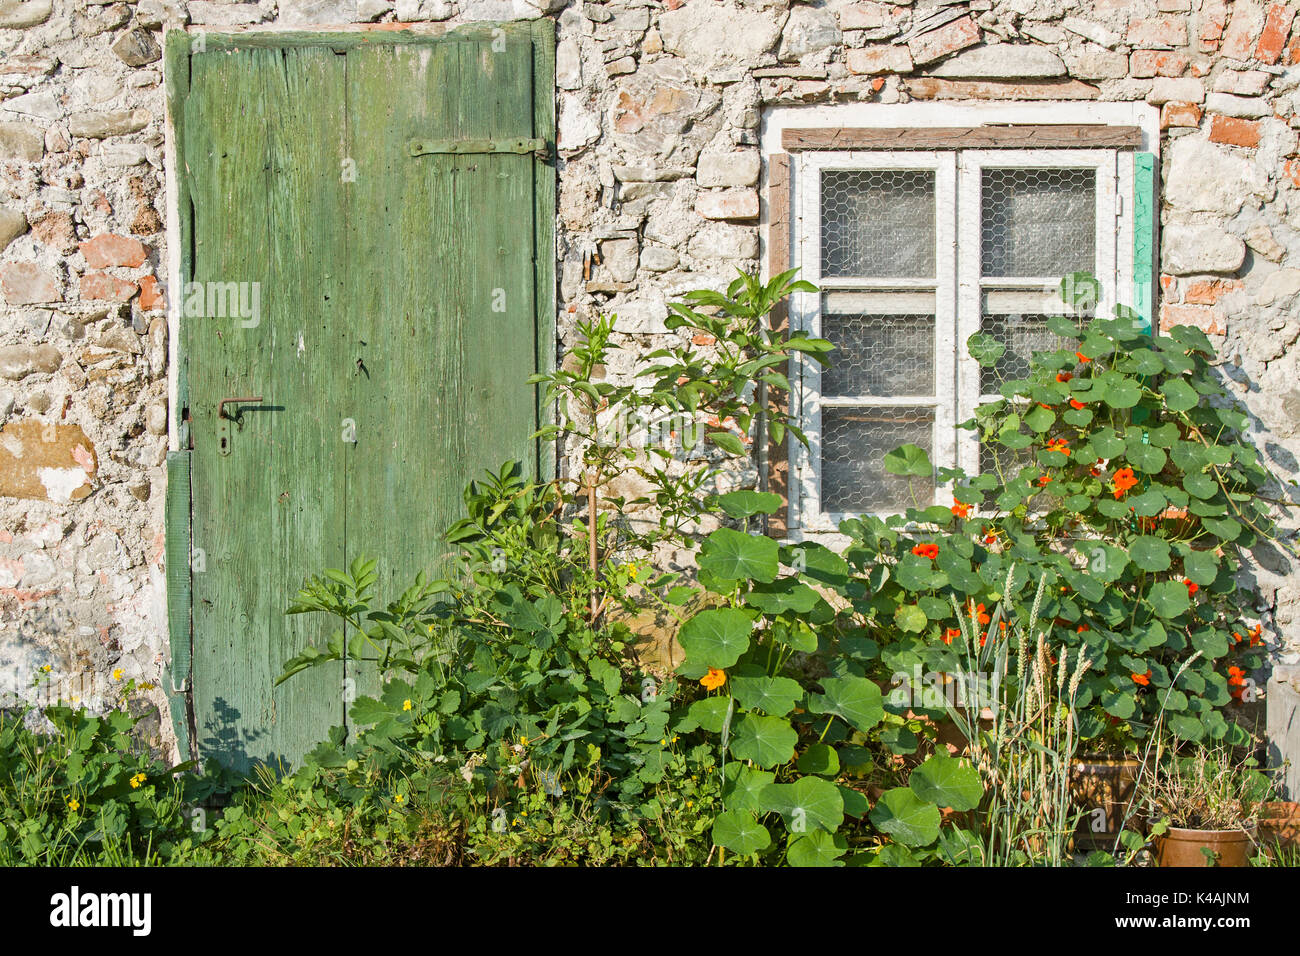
(1120, 467)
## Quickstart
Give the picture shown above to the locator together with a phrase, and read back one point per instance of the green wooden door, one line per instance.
(373, 278)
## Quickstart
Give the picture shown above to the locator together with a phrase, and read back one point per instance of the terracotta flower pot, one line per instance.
(1180, 847)
(1101, 787)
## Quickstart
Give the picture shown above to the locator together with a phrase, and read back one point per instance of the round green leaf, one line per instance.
(819, 759)
(947, 782)
(818, 848)
(716, 637)
(1122, 393)
(1040, 419)
(734, 556)
(906, 817)
(1169, 598)
(1200, 485)
(910, 618)
(1146, 458)
(1186, 727)
(807, 804)
(1150, 553)
(710, 713)
(743, 786)
(1201, 567)
(1179, 396)
(743, 504)
(909, 460)
(772, 695)
(739, 832)
(768, 741)
(856, 700)
(985, 349)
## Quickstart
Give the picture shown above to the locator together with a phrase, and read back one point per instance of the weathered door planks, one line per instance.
(400, 306)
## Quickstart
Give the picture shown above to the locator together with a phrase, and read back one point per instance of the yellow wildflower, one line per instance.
(117, 674)
(398, 798)
(406, 704)
(74, 804)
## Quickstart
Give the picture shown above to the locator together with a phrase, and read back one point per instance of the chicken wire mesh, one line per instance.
(1022, 335)
(1038, 222)
(854, 444)
(880, 356)
(878, 223)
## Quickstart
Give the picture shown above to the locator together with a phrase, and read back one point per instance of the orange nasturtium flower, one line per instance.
(1143, 679)
(1063, 376)
(1043, 481)
(1124, 480)
(949, 634)
(1059, 444)
(1082, 358)
(980, 614)
(1192, 587)
(961, 509)
(1076, 404)
(713, 679)
(930, 551)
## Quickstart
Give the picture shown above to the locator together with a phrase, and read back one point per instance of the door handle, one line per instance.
(223, 430)
(221, 405)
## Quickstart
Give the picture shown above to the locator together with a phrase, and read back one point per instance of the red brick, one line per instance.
(1292, 170)
(1206, 319)
(949, 38)
(1209, 291)
(1234, 132)
(1293, 52)
(151, 295)
(1144, 64)
(101, 285)
(1157, 32)
(1274, 35)
(25, 283)
(1169, 288)
(1214, 14)
(1180, 114)
(113, 250)
(1243, 30)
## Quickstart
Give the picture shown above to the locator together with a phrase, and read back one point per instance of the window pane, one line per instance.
(880, 351)
(854, 444)
(878, 223)
(1038, 222)
(1023, 335)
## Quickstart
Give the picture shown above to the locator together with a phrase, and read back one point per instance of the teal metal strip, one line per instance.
(1144, 204)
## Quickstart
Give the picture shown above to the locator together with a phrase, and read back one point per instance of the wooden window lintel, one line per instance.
(1042, 136)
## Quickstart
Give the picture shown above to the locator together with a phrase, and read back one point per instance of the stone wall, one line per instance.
(660, 104)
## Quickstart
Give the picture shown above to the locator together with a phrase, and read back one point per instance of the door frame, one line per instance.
(179, 46)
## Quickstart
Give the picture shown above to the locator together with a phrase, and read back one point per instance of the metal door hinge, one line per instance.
(519, 146)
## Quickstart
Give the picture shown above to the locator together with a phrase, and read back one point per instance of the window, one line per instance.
(914, 250)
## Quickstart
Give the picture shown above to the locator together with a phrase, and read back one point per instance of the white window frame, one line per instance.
(958, 292)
